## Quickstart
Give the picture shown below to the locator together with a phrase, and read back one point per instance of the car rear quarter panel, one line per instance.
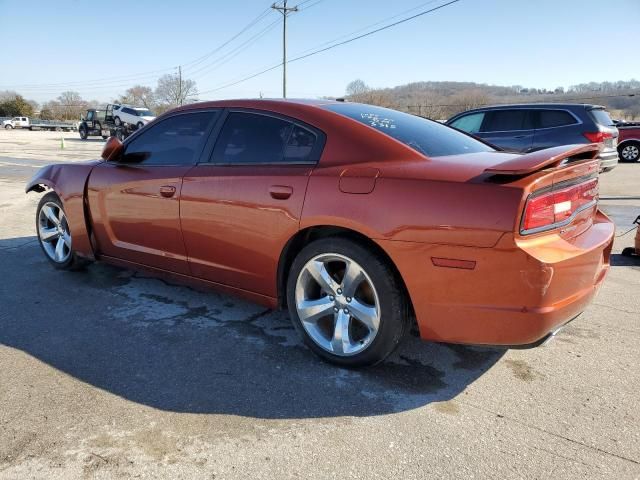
(69, 182)
(413, 209)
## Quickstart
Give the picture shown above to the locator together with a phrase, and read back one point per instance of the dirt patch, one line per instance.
(522, 370)
(450, 408)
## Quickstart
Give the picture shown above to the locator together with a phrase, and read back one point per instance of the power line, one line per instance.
(256, 20)
(112, 82)
(217, 63)
(354, 32)
(230, 55)
(330, 47)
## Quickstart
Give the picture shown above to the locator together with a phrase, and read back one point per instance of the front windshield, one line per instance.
(426, 136)
(144, 113)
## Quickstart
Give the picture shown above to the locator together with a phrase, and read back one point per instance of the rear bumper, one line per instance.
(516, 293)
(608, 160)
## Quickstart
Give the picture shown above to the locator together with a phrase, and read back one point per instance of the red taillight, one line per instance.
(598, 137)
(552, 208)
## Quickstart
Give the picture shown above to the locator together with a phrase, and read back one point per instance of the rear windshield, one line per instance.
(427, 137)
(602, 117)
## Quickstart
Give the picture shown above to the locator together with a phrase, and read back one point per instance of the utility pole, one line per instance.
(180, 84)
(285, 12)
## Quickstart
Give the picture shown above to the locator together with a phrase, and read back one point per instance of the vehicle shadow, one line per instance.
(619, 260)
(177, 349)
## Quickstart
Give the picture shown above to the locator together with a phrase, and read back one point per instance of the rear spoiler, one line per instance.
(549, 157)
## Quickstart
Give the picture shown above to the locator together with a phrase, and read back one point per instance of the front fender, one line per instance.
(69, 182)
(41, 181)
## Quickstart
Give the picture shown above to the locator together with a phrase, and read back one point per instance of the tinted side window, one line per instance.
(601, 117)
(129, 111)
(174, 141)
(507, 120)
(469, 123)
(252, 138)
(300, 145)
(554, 118)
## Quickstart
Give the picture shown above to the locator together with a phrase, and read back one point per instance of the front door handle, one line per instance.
(280, 192)
(167, 191)
(521, 136)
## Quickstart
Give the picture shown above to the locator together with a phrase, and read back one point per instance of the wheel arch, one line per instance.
(69, 182)
(629, 140)
(42, 181)
(315, 232)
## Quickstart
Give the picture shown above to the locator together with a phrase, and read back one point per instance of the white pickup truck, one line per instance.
(25, 122)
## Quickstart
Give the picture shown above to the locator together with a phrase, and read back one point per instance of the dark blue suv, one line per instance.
(530, 127)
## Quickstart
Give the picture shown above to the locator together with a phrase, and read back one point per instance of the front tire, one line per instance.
(629, 152)
(346, 302)
(117, 121)
(140, 125)
(54, 235)
(83, 132)
(8, 127)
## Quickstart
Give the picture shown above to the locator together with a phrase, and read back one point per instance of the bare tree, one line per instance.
(468, 99)
(70, 106)
(172, 91)
(139, 95)
(357, 88)
(8, 95)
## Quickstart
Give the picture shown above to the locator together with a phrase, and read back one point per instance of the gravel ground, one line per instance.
(108, 373)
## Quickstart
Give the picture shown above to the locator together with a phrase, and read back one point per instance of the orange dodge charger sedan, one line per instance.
(364, 221)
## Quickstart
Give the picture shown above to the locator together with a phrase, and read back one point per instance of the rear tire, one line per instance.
(54, 235)
(629, 151)
(83, 132)
(357, 313)
(117, 121)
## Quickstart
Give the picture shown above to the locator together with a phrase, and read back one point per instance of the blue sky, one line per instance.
(51, 46)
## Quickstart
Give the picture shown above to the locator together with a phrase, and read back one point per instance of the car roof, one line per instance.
(259, 103)
(587, 106)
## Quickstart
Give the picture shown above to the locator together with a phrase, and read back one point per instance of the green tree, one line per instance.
(16, 106)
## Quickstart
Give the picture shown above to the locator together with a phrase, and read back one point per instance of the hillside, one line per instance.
(440, 100)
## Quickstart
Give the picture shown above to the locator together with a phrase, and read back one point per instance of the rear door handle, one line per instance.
(167, 191)
(280, 192)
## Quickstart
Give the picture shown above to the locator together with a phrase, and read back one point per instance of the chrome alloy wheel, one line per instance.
(337, 304)
(630, 152)
(53, 231)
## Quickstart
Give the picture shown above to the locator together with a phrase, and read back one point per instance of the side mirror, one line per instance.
(112, 150)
